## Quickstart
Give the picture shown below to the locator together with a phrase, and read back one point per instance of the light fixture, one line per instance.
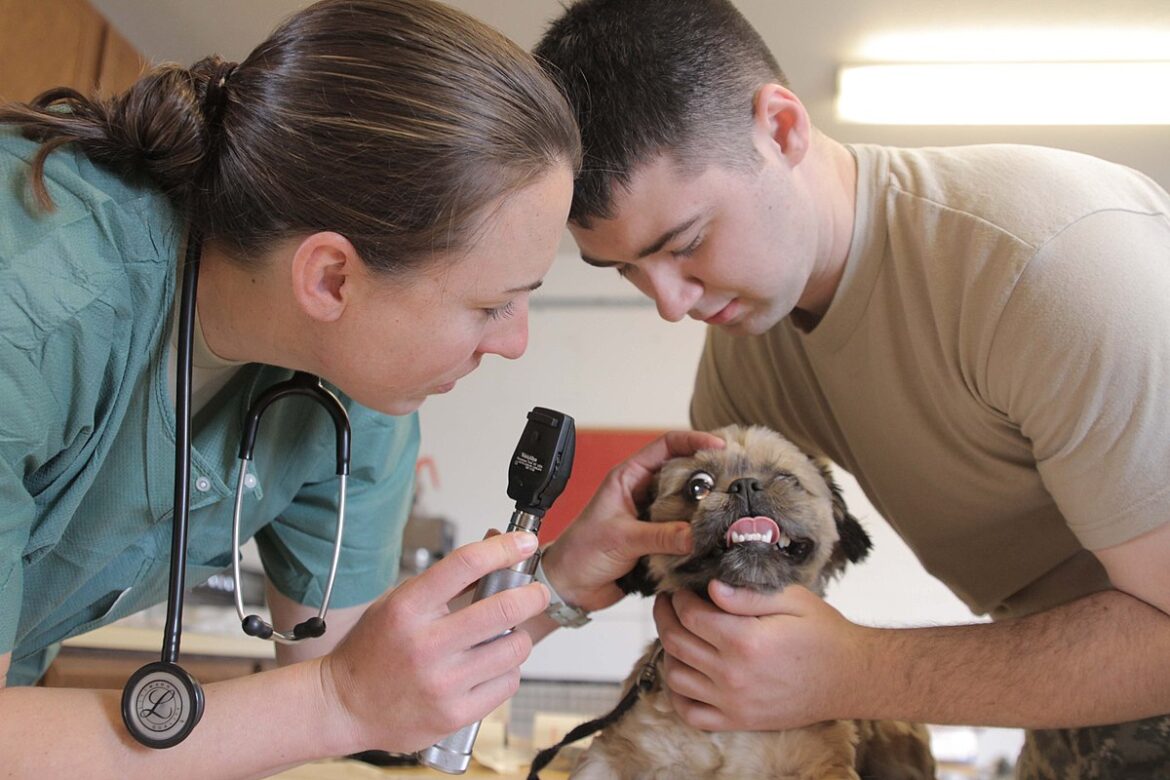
(1047, 75)
(1005, 93)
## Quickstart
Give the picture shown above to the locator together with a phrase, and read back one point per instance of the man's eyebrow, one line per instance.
(597, 263)
(667, 236)
(650, 249)
(525, 288)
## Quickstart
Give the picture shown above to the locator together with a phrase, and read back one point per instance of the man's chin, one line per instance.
(753, 325)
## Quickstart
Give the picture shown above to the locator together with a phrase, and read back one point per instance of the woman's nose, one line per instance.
(508, 338)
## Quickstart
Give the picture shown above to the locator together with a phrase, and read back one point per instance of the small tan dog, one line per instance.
(763, 516)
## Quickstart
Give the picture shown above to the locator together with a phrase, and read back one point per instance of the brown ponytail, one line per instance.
(392, 122)
(155, 128)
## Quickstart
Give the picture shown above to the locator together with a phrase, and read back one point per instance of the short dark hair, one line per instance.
(646, 77)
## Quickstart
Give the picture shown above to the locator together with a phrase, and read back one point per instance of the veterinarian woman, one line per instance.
(380, 186)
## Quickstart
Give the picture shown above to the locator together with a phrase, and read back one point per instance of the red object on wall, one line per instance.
(598, 450)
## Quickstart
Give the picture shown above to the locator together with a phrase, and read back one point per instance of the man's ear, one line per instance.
(780, 119)
(324, 268)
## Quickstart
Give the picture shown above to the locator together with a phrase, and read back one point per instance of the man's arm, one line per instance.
(789, 659)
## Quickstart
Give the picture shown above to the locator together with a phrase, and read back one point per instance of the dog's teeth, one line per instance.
(766, 537)
(783, 540)
(737, 538)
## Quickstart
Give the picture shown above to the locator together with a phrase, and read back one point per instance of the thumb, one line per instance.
(745, 601)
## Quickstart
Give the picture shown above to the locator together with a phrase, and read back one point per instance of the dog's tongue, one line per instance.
(764, 527)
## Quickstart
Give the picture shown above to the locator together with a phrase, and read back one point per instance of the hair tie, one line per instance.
(214, 101)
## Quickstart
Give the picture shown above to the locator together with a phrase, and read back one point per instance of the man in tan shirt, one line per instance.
(980, 335)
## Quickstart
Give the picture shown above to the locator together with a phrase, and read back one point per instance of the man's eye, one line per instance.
(690, 248)
(700, 485)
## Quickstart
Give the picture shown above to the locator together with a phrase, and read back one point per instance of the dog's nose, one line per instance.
(745, 485)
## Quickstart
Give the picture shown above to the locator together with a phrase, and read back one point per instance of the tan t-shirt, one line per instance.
(994, 368)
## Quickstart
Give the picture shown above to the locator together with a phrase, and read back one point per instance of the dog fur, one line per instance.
(759, 479)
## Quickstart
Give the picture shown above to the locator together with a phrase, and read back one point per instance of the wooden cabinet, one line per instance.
(50, 43)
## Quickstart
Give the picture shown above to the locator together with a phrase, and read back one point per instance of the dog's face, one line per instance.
(762, 513)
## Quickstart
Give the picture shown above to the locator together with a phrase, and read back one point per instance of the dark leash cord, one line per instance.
(646, 679)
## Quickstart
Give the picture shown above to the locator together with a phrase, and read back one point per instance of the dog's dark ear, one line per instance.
(645, 500)
(638, 579)
(853, 542)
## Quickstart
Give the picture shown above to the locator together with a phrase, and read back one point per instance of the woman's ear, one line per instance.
(325, 267)
(780, 121)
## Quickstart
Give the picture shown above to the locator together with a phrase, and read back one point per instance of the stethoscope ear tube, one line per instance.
(301, 383)
(254, 625)
(305, 384)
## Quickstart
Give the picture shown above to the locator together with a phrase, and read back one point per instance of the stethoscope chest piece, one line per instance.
(161, 704)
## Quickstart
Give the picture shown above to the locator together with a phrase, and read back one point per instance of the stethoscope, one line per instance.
(162, 702)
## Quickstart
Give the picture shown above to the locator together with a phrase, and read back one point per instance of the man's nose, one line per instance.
(673, 293)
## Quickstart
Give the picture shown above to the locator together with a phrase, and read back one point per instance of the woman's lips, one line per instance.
(724, 315)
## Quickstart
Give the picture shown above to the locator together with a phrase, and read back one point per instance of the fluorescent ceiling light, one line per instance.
(1002, 93)
(1016, 44)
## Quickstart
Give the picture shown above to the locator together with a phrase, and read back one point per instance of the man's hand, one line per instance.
(756, 661)
(607, 539)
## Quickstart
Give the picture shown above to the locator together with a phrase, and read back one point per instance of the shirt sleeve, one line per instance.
(297, 548)
(1081, 363)
(24, 431)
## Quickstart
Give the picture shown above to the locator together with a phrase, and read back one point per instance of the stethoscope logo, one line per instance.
(159, 705)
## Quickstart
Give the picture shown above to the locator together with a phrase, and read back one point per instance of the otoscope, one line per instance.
(536, 476)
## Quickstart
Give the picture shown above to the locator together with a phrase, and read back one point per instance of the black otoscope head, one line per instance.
(542, 461)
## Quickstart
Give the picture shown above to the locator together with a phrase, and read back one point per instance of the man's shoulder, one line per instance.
(1030, 192)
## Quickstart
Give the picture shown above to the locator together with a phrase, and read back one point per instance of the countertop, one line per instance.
(356, 770)
(117, 637)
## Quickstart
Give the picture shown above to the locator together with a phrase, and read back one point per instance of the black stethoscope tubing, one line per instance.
(162, 702)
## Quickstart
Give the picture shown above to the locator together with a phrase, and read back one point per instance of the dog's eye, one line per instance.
(700, 485)
(798, 550)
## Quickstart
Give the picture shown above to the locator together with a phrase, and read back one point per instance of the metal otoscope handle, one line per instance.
(539, 470)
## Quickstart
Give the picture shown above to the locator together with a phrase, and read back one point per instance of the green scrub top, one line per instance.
(87, 429)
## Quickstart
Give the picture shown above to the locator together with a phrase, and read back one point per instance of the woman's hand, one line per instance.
(411, 671)
(758, 661)
(607, 539)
